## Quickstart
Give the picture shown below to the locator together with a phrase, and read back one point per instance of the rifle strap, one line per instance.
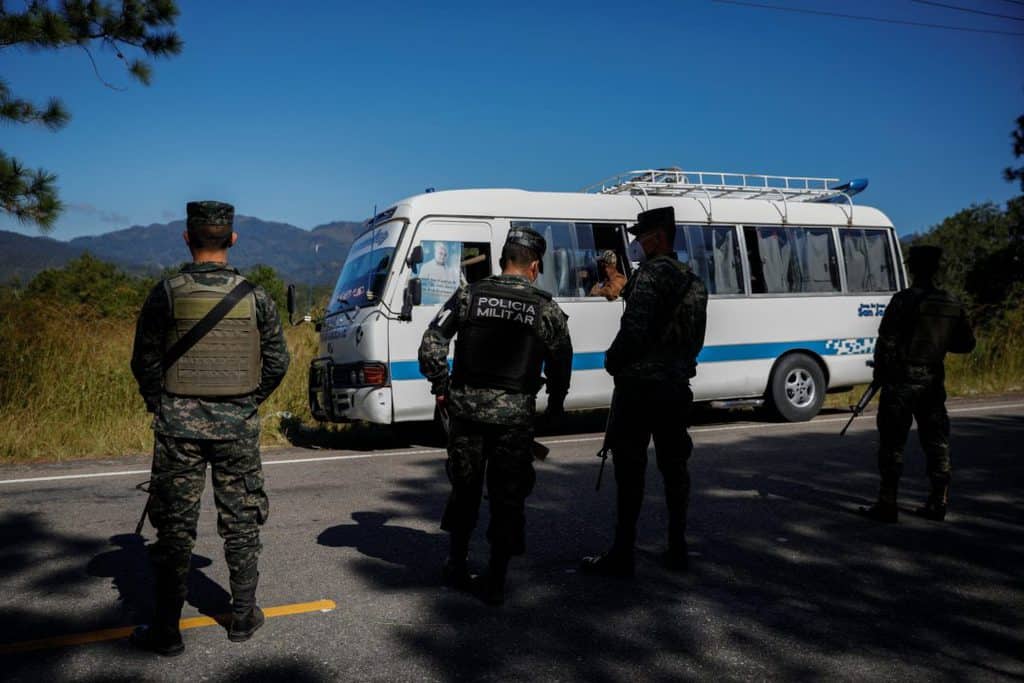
(207, 323)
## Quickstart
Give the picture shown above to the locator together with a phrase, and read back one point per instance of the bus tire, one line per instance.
(797, 388)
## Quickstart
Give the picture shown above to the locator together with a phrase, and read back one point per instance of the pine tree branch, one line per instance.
(29, 196)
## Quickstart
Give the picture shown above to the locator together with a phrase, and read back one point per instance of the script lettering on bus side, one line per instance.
(871, 310)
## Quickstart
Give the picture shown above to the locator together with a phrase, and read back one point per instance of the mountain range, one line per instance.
(301, 256)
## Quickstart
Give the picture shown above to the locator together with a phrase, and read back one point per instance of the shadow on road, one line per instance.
(787, 582)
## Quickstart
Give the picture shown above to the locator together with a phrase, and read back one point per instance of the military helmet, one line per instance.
(530, 239)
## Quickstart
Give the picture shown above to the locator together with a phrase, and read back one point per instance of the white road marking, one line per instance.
(584, 439)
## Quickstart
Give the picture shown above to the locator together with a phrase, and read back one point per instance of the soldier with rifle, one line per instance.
(652, 359)
(208, 350)
(506, 331)
(921, 324)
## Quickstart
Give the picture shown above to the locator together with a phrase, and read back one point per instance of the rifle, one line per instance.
(144, 487)
(862, 404)
(606, 447)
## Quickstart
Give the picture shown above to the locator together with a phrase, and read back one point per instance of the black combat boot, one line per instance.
(938, 500)
(162, 635)
(616, 562)
(884, 510)
(490, 587)
(676, 557)
(455, 572)
(246, 616)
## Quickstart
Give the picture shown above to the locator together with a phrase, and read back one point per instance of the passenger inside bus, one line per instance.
(611, 280)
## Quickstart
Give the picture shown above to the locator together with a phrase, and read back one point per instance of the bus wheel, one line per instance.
(797, 388)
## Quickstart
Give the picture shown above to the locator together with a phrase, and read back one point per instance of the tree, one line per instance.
(1011, 174)
(86, 280)
(31, 195)
(267, 278)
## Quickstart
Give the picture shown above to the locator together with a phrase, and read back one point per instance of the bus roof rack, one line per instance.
(675, 182)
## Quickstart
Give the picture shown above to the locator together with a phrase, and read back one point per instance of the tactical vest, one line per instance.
(933, 326)
(226, 361)
(671, 330)
(499, 345)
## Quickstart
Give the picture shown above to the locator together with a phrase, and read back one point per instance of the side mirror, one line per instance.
(291, 304)
(413, 297)
(415, 257)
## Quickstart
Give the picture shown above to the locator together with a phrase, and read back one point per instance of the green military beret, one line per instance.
(209, 213)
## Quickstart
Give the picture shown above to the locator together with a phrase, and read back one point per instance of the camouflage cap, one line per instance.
(608, 256)
(531, 239)
(209, 213)
(656, 219)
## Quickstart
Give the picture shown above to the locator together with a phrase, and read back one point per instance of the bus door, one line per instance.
(574, 276)
(455, 252)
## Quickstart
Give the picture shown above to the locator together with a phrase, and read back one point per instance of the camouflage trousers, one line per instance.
(502, 454)
(899, 405)
(178, 478)
(640, 411)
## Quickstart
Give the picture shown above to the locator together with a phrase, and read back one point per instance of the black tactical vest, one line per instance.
(226, 361)
(499, 346)
(933, 327)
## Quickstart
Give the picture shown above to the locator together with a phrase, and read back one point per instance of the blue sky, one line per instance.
(317, 111)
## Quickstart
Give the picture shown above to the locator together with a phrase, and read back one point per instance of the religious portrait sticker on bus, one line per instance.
(439, 272)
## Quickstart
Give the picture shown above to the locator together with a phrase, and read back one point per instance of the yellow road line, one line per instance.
(125, 631)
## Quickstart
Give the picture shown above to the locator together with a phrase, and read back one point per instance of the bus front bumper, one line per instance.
(331, 401)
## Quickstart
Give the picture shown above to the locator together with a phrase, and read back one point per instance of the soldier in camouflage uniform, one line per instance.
(507, 329)
(652, 360)
(205, 411)
(920, 325)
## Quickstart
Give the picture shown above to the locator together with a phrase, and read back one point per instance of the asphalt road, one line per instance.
(786, 580)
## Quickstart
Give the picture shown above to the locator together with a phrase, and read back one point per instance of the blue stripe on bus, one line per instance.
(594, 360)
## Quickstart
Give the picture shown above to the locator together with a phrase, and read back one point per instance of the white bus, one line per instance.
(797, 276)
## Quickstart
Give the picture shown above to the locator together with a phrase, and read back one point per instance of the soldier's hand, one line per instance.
(152, 403)
(555, 411)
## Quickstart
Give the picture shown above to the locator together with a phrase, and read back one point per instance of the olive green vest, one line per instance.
(225, 362)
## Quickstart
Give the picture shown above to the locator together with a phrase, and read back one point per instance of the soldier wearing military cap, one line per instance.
(921, 324)
(204, 393)
(506, 331)
(652, 359)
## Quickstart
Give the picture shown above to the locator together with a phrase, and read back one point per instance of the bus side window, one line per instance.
(570, 263)
(714, 256)
(868, 260)
(447, 264)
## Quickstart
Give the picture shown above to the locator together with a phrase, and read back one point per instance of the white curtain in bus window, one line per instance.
(868, 261)
(781, 272)
(714, 257)
(816, 254)
(439, 273)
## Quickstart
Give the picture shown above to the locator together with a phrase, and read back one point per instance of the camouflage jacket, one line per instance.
(495, 406)
(204, 418)
(662, 327)
(903, 322)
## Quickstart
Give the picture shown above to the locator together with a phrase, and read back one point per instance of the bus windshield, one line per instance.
(366, 269)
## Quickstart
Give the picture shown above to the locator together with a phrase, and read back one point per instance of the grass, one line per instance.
(66, 390)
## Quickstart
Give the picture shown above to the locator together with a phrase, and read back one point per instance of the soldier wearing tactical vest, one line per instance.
(921, 324)
(652, 359)
(204, 407)
(507, 330)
